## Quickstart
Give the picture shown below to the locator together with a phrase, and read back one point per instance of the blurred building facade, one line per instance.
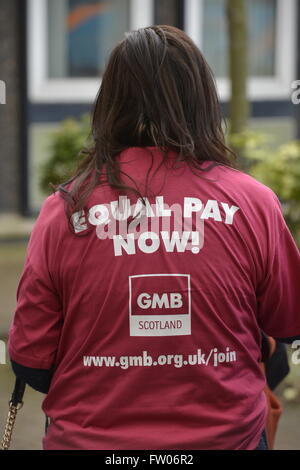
(53, 53)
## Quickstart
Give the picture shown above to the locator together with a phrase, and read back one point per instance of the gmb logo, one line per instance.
(159, 305)
(172, 300)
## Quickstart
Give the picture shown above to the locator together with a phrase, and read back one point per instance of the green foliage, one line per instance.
(277, 167)
(66, 145)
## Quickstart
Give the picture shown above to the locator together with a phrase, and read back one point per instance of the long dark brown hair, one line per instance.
(157, 90)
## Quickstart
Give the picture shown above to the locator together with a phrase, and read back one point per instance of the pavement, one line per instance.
(14, 227)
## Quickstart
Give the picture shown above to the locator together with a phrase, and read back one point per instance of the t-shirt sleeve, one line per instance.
(36, 326)
(278, 293)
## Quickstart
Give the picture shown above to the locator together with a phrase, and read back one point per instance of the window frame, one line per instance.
(259, 88)
(83, 90)
(41, 88)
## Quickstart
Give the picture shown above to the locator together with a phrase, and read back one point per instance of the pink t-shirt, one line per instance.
(152, 312)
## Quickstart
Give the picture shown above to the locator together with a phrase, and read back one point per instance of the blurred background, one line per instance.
(52, 56)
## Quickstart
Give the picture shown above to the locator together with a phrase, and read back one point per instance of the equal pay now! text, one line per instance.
(147, 226)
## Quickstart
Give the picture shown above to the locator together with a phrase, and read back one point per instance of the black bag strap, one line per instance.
(16, 402)
(18, 392)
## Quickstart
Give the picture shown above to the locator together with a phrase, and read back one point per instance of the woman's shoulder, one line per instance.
(52, 203)
(244, 184)
(52, 212)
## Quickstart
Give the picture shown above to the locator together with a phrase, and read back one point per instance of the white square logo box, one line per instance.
(156, 313)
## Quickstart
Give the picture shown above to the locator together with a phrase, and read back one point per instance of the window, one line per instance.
(261, 16)
(272, 39)
(81, 34)
(69, 42)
